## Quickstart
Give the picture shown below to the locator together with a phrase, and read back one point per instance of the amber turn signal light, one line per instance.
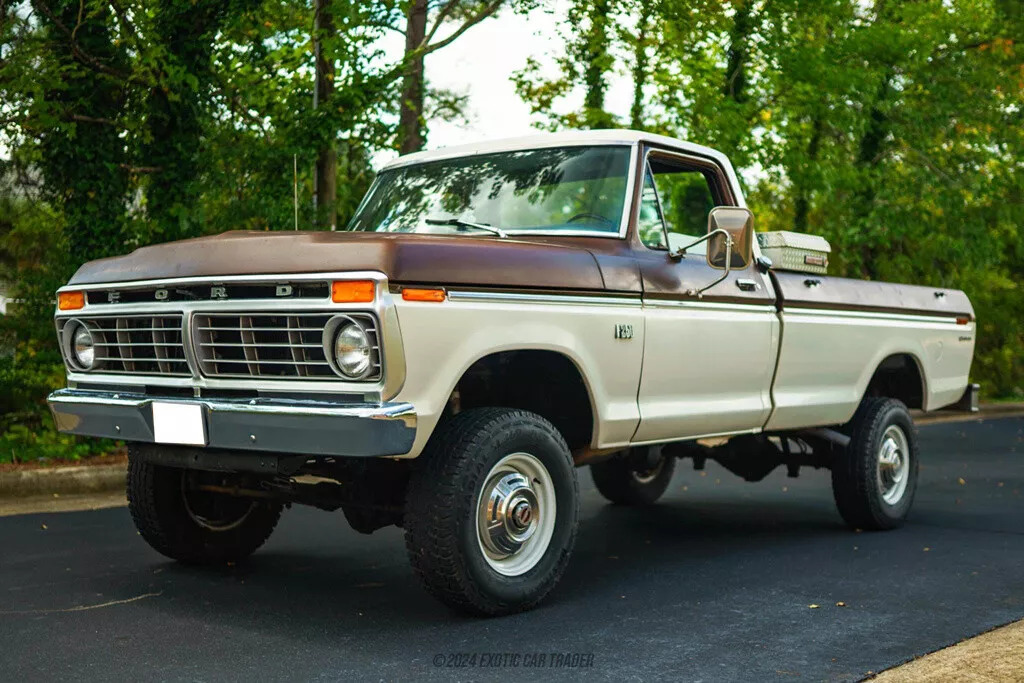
(70, 301)
(352, 291)
(962, 320)
(413, 294)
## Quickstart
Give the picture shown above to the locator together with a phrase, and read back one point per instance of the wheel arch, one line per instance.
(549, 382)
(899, 375)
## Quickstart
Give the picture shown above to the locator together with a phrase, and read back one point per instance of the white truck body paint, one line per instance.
(443, 340)
(828, 358)
(707, 369)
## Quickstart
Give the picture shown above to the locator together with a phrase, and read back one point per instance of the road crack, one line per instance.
(85, 608)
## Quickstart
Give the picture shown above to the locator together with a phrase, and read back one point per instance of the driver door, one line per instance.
(708, 360)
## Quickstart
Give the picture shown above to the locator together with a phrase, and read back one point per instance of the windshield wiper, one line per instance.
(458, 222)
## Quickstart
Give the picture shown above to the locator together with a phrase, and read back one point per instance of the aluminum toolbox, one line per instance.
(795, 251)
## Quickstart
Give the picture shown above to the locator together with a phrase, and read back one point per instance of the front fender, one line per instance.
(442, 340)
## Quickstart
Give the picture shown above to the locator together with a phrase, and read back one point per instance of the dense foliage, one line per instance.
(129, 122)
(893, 128)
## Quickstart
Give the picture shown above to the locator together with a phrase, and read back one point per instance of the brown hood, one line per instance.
(438, 259)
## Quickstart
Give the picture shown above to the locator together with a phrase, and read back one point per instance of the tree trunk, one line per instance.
(636, 111)
(410, 115)
(325, 194)
(735, 74)
(803, 198)
(870, 152)
(596, 63)
(175, 119)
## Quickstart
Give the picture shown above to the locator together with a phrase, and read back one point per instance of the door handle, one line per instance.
(812, 282)
(746, 285)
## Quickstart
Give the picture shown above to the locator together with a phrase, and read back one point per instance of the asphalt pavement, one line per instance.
(715, 583)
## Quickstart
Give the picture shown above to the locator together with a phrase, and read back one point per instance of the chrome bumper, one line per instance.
(283, 426)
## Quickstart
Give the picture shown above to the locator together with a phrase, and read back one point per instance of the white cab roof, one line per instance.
(545, 140)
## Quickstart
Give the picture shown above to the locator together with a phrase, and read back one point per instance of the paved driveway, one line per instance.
(712, 584)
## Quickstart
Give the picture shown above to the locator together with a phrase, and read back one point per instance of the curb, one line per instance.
(62, 480)
(988, 411)
(109, 478)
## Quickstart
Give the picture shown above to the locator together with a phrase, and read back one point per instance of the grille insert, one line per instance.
(132, 344)
(279, 345)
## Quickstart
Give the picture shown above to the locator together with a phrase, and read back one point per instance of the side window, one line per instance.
(682, 198)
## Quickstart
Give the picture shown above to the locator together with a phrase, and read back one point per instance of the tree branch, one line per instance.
(441, 16)
(77, 51)
(94, 119)
(425, 49)
(489, 9)
(384, 25)
(141, 169)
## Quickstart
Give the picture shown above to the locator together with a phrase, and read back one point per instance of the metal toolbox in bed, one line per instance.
(795, 251)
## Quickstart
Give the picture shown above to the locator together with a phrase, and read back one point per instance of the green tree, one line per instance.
(73, 116)
(585, 66)
(892, 128)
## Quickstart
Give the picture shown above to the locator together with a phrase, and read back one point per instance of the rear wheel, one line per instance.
(875, 478)
(176, 513)
(492, 511)
(639, 478)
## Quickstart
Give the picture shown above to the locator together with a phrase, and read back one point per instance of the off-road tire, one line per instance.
(441, 510)
(156, 500)
(622, 481)
(855, 482)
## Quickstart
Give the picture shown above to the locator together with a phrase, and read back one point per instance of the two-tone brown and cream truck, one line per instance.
(495, 316)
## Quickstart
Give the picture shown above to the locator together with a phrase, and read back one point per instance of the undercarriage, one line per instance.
(371, 492)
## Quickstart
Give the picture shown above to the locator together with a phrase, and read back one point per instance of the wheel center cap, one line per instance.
(522, 514)
(509, 513)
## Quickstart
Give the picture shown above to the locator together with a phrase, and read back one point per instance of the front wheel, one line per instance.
(875, 478)
(492, 511)
(181, 515)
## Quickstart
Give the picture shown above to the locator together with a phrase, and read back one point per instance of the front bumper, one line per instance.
(286, 426)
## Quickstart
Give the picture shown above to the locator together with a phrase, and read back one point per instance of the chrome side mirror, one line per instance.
(738, 227)
(730, 241)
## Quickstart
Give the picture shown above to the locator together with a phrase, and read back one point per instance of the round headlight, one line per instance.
(352, 351)
(83, 348)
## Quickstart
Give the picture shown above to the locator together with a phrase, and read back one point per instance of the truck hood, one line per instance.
(405, 258)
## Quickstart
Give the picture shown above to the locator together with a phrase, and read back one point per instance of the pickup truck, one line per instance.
(494, 317)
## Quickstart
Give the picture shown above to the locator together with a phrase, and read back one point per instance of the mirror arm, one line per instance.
(681, 251)
(728, 265)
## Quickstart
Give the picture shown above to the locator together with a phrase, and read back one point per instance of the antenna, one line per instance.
(295, 187)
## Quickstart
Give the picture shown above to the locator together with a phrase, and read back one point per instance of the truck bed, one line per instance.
(837, 331)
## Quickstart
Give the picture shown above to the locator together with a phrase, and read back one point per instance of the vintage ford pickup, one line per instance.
(494, 316)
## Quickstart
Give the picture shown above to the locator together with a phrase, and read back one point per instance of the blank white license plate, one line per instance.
(180, 423)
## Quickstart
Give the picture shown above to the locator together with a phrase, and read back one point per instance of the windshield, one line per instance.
(542, 190)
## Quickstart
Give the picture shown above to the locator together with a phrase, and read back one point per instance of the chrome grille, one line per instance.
(133, 344)
(275, 345)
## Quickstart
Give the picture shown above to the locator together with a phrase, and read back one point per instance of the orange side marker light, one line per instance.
(70, 301)
(432, 295)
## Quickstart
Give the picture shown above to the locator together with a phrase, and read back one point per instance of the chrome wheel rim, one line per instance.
(648, 475)
(211, 512)
(516, 514)
(893, 465)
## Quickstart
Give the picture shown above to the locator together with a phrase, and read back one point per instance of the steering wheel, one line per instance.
(599, 217)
